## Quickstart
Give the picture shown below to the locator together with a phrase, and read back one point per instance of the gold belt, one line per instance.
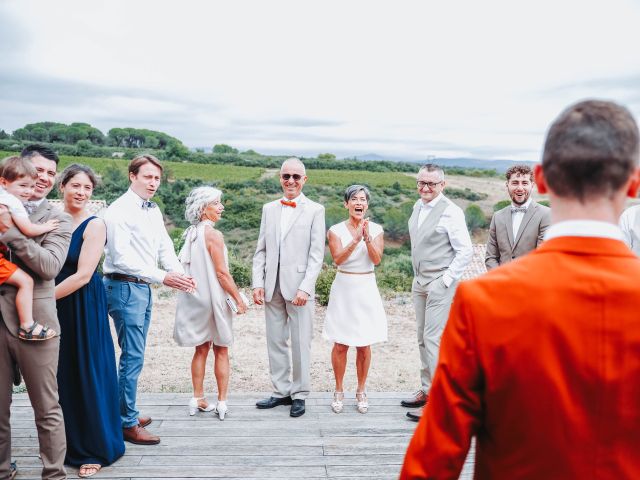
(355, 273)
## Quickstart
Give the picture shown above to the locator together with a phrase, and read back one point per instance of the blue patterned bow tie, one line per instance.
(30, 207)
(518, 209)
(146, 204)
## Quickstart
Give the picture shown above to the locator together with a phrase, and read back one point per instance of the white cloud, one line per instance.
(408, 78)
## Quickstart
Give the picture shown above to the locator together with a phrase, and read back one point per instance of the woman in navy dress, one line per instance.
(87, 381)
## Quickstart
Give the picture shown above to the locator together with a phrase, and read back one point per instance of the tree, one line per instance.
(222, 148)
(3, 135)
(326, 156)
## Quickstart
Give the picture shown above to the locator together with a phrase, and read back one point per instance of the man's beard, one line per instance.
(516, 202)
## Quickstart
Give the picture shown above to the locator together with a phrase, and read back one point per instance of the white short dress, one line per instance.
(355, 314)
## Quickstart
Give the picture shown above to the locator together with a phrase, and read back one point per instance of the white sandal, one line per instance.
(363, 403)
(221, 409)
(194, 406)
(337, 405)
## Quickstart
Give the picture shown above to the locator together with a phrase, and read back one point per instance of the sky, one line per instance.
(401, 79)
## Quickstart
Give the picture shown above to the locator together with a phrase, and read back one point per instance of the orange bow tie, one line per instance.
(288, 204)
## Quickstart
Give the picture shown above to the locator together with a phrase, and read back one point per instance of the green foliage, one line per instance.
(141, 138)
(546, 203)
(465, 194)
(323, 285)
(222, 148)
(3, 135)
(326, 156)
(240, 271)
(59, 133)
(395, 273)
(176, 237)
(395, 223)
(501, 204)
(475, 217)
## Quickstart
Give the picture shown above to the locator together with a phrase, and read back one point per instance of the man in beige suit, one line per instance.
(518, 228)
(286, 265)
(43, 258)
(440, 251)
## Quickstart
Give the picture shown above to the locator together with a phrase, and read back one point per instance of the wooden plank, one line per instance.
(254, 458)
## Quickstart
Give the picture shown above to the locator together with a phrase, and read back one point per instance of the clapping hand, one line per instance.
(365, 229)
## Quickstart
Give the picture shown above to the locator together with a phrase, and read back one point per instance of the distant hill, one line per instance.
(500, 166)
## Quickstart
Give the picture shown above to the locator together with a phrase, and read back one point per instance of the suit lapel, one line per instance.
(296, 214)
(41, 212)
(277, 214)
(508, 221)
(528, 215)
(413, 221)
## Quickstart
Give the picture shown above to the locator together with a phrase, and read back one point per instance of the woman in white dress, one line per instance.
(355, 315)
(203, 318)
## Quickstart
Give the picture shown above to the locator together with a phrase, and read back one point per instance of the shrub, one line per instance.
(323, 285)
(501, 204)
(475, 217)
(240, 271)
(546, 203)
(176, 237)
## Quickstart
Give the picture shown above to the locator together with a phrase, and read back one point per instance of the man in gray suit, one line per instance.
(440, 251)
(518, 228)
(42, 257)
(286, 265)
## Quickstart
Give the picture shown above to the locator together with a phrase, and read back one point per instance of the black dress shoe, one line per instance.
(297, 409)
(273, 402)
(13, 470)
(415, 415)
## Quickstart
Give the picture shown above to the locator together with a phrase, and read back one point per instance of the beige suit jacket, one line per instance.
(42, 257)
(294, 257)
(502, 247)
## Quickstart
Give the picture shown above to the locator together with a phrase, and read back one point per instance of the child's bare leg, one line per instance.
(24, 297)
(24, 302)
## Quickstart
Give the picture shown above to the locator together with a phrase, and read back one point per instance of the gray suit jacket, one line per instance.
(295, 260)
(502, 247)
(43, 258)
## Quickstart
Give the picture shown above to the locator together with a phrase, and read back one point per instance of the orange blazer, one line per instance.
(540, 360)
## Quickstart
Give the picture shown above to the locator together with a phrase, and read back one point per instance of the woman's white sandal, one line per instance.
(337, 405)
(363, 403)
(194, 406)
(221, 409)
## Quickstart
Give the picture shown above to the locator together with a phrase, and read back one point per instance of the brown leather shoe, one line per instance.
(415, 415)
(139, 436)
(144, 421)
(418, 400)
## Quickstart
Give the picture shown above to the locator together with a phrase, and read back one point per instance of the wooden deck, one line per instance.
(250, 443)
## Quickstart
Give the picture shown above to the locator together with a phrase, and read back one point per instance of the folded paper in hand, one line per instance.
(232, 303)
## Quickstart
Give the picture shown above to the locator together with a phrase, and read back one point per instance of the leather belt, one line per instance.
(125, 278)
(355, 273)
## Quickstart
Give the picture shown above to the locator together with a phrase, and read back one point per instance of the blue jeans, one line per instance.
(130, 307)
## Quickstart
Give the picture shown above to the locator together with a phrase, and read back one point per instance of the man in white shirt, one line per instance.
(286, 264)
(137, 242)
(440, 251)
(518, 228)
(630, 226)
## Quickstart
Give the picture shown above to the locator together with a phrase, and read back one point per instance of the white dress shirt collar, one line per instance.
(136, 198)
(297, 200)
(524, 205)
(584, 228)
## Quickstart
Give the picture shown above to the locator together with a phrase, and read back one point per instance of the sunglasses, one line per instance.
(286, 176)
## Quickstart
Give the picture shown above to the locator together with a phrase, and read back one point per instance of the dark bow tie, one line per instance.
(518, 209)
(146, 205)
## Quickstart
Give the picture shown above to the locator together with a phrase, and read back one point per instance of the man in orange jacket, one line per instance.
(540, 358)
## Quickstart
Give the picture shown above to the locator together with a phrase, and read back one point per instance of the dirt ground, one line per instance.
(394, 367)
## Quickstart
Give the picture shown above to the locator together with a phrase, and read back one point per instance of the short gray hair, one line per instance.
(432, 167)
(295, 161)
(198, 200)
(354, 189)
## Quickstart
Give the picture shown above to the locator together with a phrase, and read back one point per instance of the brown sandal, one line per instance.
(27, 334)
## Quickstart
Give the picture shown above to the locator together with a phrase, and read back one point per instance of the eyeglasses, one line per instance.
(286, 176)
(431, 185)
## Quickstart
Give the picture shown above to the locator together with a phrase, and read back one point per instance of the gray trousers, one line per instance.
(432, 303)
(290, 372)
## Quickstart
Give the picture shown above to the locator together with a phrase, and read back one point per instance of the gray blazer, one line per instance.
(295, 260)
(42, 257)
(502, 247)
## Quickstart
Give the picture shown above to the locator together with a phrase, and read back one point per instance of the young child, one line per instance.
(17, 181)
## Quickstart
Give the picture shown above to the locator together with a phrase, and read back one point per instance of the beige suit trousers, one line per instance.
(432, 303)
(289, 376)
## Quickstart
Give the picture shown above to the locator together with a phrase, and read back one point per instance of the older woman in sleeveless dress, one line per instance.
(355, 315)
(204, 318)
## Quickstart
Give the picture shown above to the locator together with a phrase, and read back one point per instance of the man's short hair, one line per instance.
(519, 170)
(432, 167)
(35, 149)
(14, 168)
(140, 160)
(591, 150)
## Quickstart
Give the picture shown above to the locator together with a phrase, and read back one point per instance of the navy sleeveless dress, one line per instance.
(87, 379)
